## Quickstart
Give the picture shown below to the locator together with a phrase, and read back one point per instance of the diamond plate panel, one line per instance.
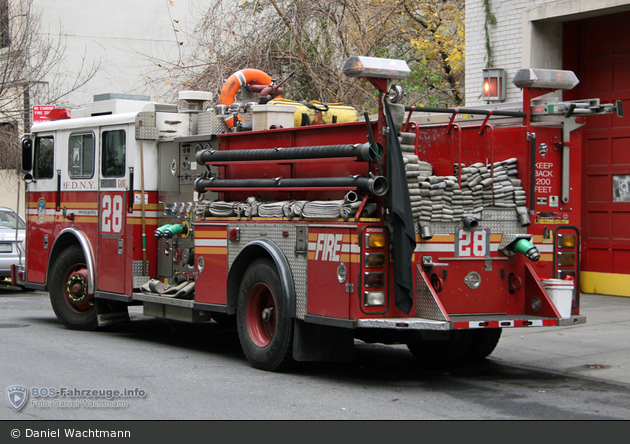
(139, 274)
(505, 215)
(444, 227)
(137, 268)
(511, 237)
(496, 221)
(501, 221)
(208, 123)
(297, 263)
(426, 305)
(146, 128)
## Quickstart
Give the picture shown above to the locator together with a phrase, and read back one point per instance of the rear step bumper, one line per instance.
(468, 322)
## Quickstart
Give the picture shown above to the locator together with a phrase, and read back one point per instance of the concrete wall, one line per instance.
(118, 34)
(528, 34)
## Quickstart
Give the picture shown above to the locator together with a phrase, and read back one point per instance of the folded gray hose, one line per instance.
(344, 208)
(276, 209)
(219, 208)
(326, 209)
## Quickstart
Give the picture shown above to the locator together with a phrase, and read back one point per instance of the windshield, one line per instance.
(9, 219)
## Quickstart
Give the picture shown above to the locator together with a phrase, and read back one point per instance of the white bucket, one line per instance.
(561, 293)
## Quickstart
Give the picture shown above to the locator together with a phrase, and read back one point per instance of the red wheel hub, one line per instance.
(75, 293)
(261, 315)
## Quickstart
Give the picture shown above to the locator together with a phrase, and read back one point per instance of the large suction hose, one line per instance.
(362, 151)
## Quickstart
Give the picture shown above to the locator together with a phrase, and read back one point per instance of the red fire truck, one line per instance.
(309, 225)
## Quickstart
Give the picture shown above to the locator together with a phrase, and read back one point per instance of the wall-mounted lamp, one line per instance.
(493, 84)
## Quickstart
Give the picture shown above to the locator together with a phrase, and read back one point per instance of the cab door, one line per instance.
(41, 207)
(112, 263)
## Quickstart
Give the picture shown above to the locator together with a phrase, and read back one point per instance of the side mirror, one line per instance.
(27, 155)
(28, 178)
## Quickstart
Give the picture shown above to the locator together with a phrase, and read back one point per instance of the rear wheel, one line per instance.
(264, 328)
(460, 347)
(484, 343)
(72, 304)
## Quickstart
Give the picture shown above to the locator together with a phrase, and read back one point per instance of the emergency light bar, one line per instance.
(374, 67)
(545, 78)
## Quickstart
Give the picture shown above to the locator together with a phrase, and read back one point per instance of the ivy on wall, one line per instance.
(490, 19)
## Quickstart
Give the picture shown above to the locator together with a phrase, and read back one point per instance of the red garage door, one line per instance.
(604, 72)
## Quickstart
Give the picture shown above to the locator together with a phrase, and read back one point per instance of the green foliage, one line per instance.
(490, 19)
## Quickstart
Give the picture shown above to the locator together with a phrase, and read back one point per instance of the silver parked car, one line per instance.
(12, 234)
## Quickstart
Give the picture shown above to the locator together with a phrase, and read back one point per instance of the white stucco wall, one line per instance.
(528, 34)
(119, 34)
(9, 184)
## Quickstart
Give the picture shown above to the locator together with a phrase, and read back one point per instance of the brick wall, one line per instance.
(506, 36)
(506, 41)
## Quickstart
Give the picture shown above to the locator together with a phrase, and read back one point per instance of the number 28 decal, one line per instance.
(472, 243)
(112, 214)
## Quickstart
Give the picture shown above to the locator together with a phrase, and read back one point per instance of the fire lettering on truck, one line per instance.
(333, 247)
(79, 185)
(328, 247)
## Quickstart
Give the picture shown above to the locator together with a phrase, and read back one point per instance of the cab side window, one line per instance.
(81, 156)
(114, 146)
(43, 157)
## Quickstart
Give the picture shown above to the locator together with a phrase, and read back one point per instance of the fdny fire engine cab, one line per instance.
(309, 225)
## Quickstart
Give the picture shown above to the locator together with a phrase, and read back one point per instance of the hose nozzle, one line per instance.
(470, 223)
(528, 249)
(170, 230)
(175, 230)
(425, 231)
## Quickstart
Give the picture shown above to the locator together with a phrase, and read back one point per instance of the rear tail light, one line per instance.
(566, 240)
(374, 279)
(374, 298)
(566, 259)
(375, 240)
(374, 260)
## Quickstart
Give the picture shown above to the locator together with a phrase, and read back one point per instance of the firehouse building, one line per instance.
(591, 39)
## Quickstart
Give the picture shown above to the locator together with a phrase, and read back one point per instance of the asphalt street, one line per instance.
(597, 350)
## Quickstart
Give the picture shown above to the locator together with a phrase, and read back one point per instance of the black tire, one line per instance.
(484, 343)
(264, 328)
(72, 305)
(460, 348)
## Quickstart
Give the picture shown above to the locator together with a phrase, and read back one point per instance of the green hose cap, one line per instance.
(528, 249)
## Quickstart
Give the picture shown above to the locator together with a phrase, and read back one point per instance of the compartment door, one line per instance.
(113, 233)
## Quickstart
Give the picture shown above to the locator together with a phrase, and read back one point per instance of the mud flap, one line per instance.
(314, 342)
(109, 312)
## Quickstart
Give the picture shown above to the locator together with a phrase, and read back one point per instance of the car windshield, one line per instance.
(9, 219)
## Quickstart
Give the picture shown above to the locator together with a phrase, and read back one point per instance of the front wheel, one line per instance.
(73, 306)
(264, 328)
